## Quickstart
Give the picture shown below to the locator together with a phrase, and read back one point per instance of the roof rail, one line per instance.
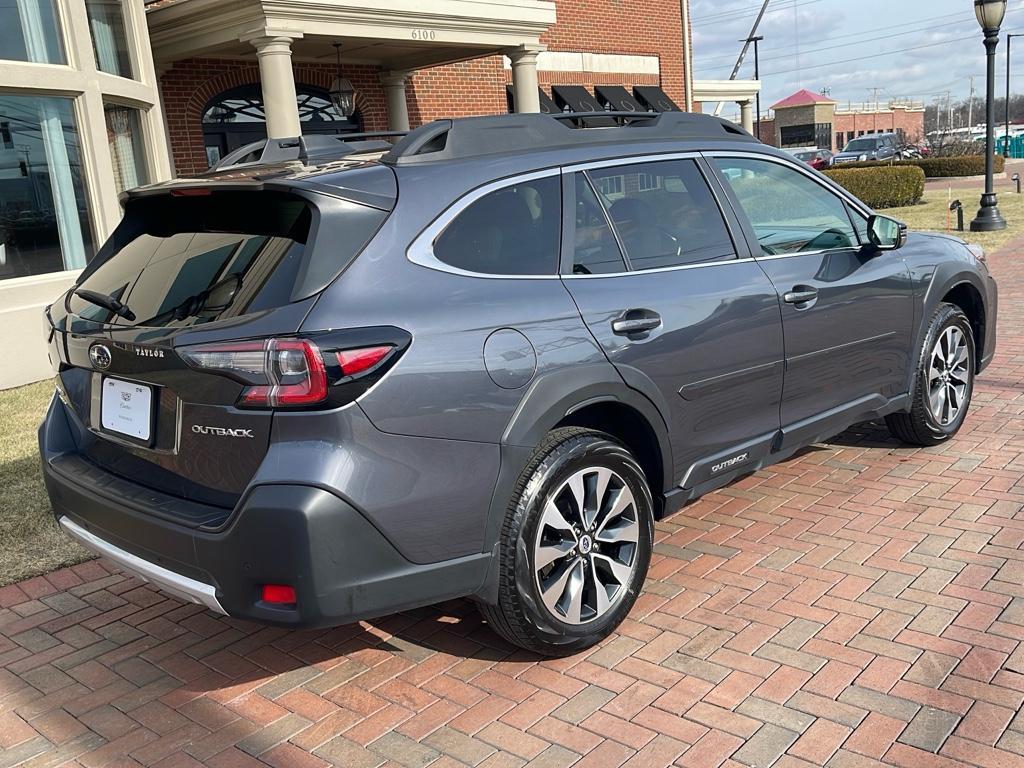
(306, 149)
(500, 134)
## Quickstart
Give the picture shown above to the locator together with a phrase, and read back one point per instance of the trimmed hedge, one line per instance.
(938, 167)
(882, 187)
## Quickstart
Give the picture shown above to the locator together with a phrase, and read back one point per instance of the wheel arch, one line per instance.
(577, 396)
(970, 301)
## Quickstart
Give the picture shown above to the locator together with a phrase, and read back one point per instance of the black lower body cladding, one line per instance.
(342, 568)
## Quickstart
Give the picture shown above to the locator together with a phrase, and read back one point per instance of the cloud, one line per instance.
(944, 36)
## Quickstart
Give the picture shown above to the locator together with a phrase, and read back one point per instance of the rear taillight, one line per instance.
(356, 361)
(282, 373)
(294, 373)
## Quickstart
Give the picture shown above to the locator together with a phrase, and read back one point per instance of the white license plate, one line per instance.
(127, 408)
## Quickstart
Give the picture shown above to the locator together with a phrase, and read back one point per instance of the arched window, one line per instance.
(236, 117)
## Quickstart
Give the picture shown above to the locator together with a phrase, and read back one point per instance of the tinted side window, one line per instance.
(664, 213)
(596, 251)
(512, 231)
(789, 211)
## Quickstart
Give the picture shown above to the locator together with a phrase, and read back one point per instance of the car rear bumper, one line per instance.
(182, 587)
(342, 568)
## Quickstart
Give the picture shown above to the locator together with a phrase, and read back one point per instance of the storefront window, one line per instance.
(29, 31)
(44, 222)
(109, 42)
(124, 133)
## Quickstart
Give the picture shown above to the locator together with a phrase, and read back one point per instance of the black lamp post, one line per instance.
(990, 15)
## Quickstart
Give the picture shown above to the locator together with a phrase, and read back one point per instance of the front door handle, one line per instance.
(635, 321)
(801, 294)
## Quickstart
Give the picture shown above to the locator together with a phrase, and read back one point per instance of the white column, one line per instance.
(747, 116)
(398, 107)
(525, 85)
(278, 81)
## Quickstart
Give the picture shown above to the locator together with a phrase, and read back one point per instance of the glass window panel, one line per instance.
(109, 41)
(664, 214)
(596, 251)
(30, 31)
(124, 133)
(513, 231)
(44, 222)
(790, 212)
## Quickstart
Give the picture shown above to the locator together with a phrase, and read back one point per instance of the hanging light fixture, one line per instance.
(343, 95)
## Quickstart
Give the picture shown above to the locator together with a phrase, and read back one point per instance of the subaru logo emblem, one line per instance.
(100, 356)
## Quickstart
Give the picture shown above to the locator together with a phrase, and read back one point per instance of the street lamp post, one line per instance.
(1006, 137)
(990, 15)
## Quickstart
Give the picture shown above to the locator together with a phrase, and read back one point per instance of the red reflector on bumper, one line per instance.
(279, 594)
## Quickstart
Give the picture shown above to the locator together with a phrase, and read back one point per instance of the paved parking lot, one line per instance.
(862, 604)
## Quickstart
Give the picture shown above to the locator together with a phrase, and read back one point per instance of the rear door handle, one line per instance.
(801, 294)
(636, 321)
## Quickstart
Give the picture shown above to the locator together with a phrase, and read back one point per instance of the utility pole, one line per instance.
(970, 106)
(684, 14)
(757, 76)
(743, 51)
(875, 91)
(1006, 141)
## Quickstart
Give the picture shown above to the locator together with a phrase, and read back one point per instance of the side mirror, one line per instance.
(886, 234)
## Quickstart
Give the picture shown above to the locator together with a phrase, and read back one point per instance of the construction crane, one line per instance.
(743, 51)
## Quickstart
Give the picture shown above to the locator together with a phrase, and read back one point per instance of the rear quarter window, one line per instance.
(515, 230)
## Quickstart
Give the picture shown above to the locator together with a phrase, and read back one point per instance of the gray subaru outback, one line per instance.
(482, 362)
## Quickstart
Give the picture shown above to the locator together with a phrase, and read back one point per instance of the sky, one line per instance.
(916, 49)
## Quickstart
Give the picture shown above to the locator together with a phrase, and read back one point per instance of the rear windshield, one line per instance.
(185, 261)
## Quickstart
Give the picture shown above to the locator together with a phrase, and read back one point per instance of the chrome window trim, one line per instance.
(593, 165)
(421, 251)
(641, 272)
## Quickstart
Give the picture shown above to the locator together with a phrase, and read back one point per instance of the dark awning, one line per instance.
(579, 99)
(655, 99)
(618, 98)
(547, 106)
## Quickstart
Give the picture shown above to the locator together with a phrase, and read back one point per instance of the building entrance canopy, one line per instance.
(398, 37)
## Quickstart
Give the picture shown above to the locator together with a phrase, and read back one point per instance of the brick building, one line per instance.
(808, 119)
(409, 63)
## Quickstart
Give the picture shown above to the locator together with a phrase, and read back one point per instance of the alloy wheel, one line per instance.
(585, 549)
(948, 375)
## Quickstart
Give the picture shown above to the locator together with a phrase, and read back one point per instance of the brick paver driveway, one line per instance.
(859, 605)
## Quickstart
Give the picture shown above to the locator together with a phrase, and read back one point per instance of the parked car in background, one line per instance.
(482, 364)
(818, 159)
(879, 146)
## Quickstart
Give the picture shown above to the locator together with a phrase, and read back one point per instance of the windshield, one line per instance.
(806, 156)
(861, 145)
(192, 260)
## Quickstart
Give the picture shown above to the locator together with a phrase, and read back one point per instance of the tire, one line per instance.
(609, 553)
(931, 420)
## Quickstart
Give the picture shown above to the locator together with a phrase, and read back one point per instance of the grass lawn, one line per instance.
(930, 215)
(30, 541)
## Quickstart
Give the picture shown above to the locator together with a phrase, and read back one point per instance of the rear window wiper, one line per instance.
(108, 303)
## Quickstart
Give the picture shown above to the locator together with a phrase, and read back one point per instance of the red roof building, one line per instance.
(803, 98)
